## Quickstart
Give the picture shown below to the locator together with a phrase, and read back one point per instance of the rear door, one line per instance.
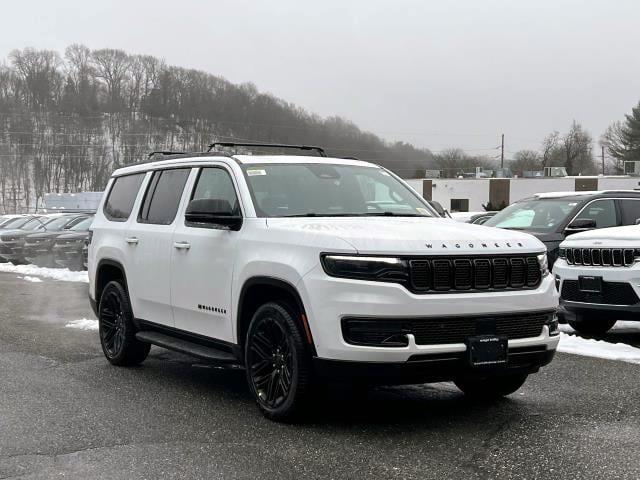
(149, 246)
(202, 262)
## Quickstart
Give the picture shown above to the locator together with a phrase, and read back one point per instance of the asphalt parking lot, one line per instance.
(66, 413)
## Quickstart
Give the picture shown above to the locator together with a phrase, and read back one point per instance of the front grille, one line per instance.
(445, 330)
(613, 293)
(469, 273)
(605, 257)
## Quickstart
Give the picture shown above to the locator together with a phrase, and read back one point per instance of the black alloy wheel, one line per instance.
(278, 365)
(116, 328)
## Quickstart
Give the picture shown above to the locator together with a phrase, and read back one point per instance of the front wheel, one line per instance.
(277, 362)
(116, 328)
(491, 387)
(591, 325)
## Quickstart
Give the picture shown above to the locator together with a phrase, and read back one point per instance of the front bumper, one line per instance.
(619, 275)
(68, 255)
(329, 300)
(11, 250)
(429, 368)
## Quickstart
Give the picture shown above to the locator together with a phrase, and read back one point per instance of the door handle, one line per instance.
(182, 245)
(131, 240)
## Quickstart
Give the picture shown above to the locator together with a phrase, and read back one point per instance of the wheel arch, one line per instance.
(108, 270)
(258, 290)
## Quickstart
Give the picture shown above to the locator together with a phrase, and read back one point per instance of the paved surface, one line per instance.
(65, 413)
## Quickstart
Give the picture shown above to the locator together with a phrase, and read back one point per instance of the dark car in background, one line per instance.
(14, 221)
(551, 217)
(12, 239)
(68, 249)
(38, 247)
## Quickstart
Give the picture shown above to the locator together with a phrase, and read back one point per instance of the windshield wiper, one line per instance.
(393, 214)
(313, 214)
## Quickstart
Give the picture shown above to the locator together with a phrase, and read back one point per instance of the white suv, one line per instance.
(598, 275)
(305, 269)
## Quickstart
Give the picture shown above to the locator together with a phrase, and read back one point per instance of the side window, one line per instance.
(630, 211)
(163, 195)
(602, 211)
(122, 195)
(216, 184)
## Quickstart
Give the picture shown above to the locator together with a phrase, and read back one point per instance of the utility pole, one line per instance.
(502, 153)
(602, 146)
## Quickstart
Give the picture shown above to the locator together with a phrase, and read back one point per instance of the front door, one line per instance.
(202, 263)
(149, 246)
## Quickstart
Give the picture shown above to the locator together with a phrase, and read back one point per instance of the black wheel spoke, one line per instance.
(269, 360)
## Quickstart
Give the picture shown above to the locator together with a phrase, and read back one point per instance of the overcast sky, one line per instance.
(434, 73)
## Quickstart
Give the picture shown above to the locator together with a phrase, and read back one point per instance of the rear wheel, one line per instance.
(592, 325)
(278, 364)
(116, 328)
(491, 387)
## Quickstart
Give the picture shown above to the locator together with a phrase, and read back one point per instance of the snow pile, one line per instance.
(31, 279)
(83, 324)
(598, 348)
(62, 274)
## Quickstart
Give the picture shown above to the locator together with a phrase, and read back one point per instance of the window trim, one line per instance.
(106, 201)
(195, 186)
(154, 183)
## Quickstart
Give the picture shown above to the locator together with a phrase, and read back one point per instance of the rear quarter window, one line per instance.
(122, 196)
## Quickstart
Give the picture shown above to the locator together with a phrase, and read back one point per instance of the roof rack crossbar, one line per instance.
(268, 145)
(164, 152)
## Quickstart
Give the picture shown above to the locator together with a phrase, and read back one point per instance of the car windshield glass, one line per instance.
(56, 224)
(325, 190)
(537, 215)
(34, 224)
(15, 222)
(82, 225)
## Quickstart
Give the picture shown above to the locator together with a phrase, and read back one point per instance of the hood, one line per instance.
(43, 236)
(411, 236)
(606, 237)
(73, 236)
(9, 235)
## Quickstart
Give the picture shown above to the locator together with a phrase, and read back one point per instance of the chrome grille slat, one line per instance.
(605, 257)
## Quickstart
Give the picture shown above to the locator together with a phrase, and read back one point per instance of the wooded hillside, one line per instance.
(67, 121)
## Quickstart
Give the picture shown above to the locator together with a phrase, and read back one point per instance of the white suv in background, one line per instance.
(310, 269)
(598, 277)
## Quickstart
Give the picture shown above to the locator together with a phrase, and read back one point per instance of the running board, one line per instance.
(184, 346)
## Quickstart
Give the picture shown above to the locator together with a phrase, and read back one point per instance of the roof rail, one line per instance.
(268, 145)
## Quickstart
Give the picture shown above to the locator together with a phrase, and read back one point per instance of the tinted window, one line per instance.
(602, 211)
(122, 196)
(630, 211)
(57, 224)
(162, 199)
(15, 222)
(82, 225)
(216, 184)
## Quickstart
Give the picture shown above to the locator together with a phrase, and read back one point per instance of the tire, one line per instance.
(491, 388)
(591, 325)
(116, 328)
(278, 363)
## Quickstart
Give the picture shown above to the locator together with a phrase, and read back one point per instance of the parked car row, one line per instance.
(53, 240)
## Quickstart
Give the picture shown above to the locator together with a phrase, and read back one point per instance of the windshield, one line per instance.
(325, 190)
(82, 225)
(56, 224)
(537, 215)
(16, 222)
(34, 224)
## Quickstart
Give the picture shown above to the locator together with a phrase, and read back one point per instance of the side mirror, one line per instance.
(637, 221)
(437, 207)
(213, 213)
(580, 225)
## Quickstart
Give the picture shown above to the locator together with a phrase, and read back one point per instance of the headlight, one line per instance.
(381, 269)
(544, 264)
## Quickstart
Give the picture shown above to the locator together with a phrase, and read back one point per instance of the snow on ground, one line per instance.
(62, 274)
(83, 324)
(31, 279)
(598, 348)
